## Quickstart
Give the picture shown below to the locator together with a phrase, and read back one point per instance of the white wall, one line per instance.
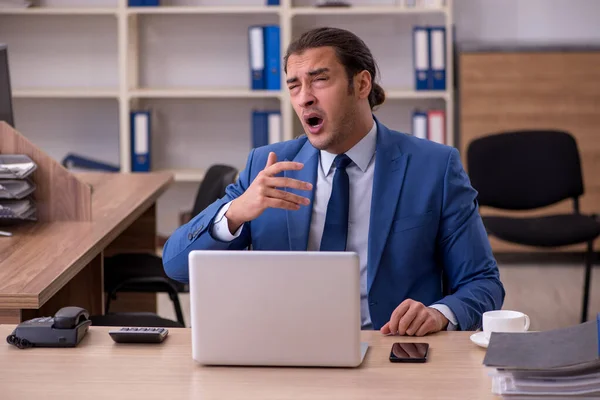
(528, 21)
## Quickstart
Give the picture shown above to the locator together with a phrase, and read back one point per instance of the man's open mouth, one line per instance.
(314, 122)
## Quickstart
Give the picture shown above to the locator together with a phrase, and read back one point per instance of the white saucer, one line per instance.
(480, 340)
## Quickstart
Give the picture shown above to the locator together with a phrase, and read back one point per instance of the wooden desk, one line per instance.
(102, 369)
(45, 266)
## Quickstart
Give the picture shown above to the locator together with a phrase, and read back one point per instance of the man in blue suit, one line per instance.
(404, 205)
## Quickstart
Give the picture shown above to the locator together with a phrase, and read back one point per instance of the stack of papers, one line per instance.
(16, 188)
(18, 210)
(16, 166)
(552, 364)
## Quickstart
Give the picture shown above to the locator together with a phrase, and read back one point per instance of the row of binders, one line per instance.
(16, 188)
(429, 57)
(430, 124)
(266, 129)
(155, 3)
(264, 54)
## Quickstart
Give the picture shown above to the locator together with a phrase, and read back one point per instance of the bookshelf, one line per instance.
(242, 10)
(80, 66)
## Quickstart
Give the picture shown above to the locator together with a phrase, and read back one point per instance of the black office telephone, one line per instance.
(66, 329)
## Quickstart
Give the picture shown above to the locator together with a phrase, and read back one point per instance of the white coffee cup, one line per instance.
(504, 321)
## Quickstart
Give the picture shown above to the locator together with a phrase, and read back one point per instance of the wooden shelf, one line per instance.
(364, 10)
(203, 93)
(244, 93)
(416, 94)
(59, 11)
(205, 10)
(59, 93)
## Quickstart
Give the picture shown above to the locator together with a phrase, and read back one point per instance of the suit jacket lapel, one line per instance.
(298, 221)
(390, 167)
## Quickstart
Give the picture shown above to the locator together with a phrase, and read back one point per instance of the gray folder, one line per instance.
(574, 348)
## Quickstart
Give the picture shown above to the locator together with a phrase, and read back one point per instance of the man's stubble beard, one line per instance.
(341, 132)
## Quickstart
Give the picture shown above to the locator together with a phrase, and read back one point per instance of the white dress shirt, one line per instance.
(360, 173)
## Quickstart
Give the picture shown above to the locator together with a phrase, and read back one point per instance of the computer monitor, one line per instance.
(6, 109)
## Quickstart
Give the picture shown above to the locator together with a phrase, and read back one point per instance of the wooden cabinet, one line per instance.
(508, 89)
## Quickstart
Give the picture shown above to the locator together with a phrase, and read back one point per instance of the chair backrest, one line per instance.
(521, 170)
(213, 186)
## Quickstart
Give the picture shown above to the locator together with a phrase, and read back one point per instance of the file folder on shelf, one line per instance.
(16, 166)
(272, 57)
(256, 47)
(266, 128)
(140, 3)
(75, 161)
(436, 126)
(274, 127)
(419, 124)
(140, 141)
(437, 40)
(272, 2)
(421, 57)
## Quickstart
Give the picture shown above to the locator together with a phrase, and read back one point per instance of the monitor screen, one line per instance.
(6, 110)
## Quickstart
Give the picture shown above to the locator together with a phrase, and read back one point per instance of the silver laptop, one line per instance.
(271, 308)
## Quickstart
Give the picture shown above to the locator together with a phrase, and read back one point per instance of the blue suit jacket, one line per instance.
(424, 225)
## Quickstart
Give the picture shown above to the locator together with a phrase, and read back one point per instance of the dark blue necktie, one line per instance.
(335, 231)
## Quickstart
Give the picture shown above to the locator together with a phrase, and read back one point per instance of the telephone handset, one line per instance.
(66, 329)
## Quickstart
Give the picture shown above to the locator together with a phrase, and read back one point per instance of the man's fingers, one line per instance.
(417, 322)
(408, 318)
(427, 327)
(272, 159)
(397, 314)
(279, 203)
(385, 329)
(288, 182)
(282, 166)
(287, 196)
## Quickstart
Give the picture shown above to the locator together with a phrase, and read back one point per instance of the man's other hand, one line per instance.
(263, 193)
(414, 319)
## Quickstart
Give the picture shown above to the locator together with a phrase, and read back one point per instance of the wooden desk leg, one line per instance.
(139, 237)
(10, 316)
(84, 290)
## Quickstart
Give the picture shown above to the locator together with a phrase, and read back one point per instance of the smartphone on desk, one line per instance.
(409, 352)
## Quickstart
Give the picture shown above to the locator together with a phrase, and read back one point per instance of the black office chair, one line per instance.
(141, 272)
(529, 169)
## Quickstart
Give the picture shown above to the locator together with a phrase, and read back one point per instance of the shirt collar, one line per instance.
(361, 154)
